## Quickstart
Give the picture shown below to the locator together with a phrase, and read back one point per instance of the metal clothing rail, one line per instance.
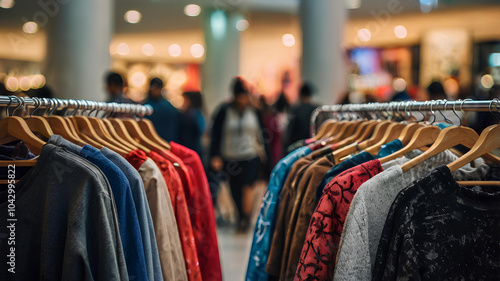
(406, 106)
(85, 105)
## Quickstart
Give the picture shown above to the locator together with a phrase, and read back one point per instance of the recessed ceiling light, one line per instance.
(197, 50)
(242, 25)
(148, 49)
(174, 50)
(123, 49)
(30, 27)
(288, 40)
(400, 31)
(7, 4)
(192, 10)
(364, 35)
(132, 16)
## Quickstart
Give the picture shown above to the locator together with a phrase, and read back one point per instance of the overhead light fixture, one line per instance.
(12, 84)
(400, 31)
(192, 10)
(242, 25)
(288, 40)
(364, 35)
(30, 27)
(7, 4)
(174, 50)
(218, 24)
(37, 81)
(132, 16)
(197, 50)
(148, 49)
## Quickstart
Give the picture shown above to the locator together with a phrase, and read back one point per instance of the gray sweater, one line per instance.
(370, 206)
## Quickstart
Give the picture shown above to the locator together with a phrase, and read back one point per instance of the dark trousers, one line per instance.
(241, 174)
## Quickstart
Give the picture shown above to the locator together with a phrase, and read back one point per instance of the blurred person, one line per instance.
(114, 88)
(272, 131)
(192, 122)
(300, 116)
(436, 91)
(238, 147)
(165, 116)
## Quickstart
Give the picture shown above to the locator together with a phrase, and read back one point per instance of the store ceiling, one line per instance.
(164, 15)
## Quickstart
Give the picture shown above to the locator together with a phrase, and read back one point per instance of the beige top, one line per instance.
(165, 225)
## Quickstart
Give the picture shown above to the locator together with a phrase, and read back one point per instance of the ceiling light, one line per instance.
(364, 35)
(6, 4)
(400, 31)
(174, 50)
(123, 49)
(487, 81)
(37, 81)
(148, 49)
(192, 10)
(132, 16)
(197, 50)
(288, 40)
(30, 27)
(12, 84)
(242, 25)
(24, 83)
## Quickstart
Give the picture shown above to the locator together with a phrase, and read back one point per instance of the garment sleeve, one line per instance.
(216, 136)
(353, 261)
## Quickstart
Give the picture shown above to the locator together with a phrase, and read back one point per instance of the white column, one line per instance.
(78, 37)
(222, 41)
(323, 62)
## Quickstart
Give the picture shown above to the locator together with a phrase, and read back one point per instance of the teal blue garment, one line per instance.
(360, 158)
(264, 228)
(443, 125)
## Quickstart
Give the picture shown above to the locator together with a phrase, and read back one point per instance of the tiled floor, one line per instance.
(234, 252)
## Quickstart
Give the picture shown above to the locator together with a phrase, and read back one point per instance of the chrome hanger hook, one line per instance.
(8, 106)
(491, 103)
(56, 105)
(454, 111)
(446, 119)
(20, 102)
(38, 104)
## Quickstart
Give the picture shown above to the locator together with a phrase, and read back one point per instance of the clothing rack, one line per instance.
(406, 107)
(56, 104)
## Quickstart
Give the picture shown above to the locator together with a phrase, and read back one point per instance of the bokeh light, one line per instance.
(364, 35)
(30, 27)
(288, 40)
(174, 50)
(242, 25)
(12, 84)
(197, 50)
(24, 83)
(398, 84)
(138, 79)
(37, 81)
(400, 31)
(123, 49)
(148, 49)
(7, 4)
(132, 16)
(192, 10)
(487, 81)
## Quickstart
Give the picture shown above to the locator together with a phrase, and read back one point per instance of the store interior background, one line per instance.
(366, 49)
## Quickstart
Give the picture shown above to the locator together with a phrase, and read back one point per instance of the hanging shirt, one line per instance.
(438, 230)
(304, 206)
(165, 226)
(128, 220)
(370, 206)
(319, 250)
(179, 203)
(58, 202)
(202, 214)
(266, 219)
(146, 225)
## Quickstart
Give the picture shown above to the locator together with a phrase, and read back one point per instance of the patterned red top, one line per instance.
(176, 191)
(136, 158)
(317, 260)
(202, 214)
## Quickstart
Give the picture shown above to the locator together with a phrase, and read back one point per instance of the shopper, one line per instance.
(238, 148)
(114, 88)
(300, 116)
(192, 122)
(165, 116)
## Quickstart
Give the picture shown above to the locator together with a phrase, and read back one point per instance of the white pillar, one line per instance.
(222, 41)
(78, 38)
(323, 62)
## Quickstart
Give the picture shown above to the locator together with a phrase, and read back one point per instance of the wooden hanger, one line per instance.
(15, 128)
(423, 136)
(360, 130)
(37, 123)
(116, 136)
(88, 133)
(392, 133)
(136, 132)
(326, 127)
(488, 141)
(448, 138)
(149, 130)
(408, 132)
(124, 134)
(59, 125)
(378, 132)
